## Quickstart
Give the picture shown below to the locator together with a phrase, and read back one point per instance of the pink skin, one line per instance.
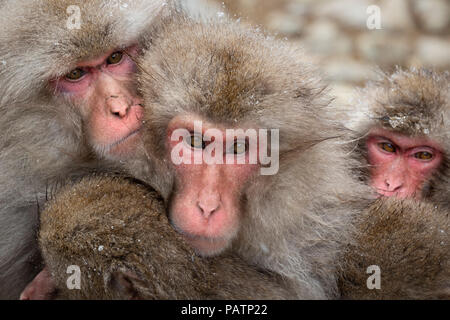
(112, 110)
(399, 172)
(205, 208)
(112, 114)
(41, 288)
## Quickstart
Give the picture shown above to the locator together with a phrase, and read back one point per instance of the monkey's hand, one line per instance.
(41, 288)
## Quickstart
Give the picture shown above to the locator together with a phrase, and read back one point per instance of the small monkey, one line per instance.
(405, 134)
(405, 142)
(116, 231)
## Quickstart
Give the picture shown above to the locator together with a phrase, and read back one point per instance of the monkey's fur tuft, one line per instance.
(409, 241)
(117, 232)
(296, 222)
(416, 103)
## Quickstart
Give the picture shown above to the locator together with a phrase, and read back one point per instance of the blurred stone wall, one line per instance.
(335, 32)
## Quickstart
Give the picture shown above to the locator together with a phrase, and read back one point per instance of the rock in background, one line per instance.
(413, 33)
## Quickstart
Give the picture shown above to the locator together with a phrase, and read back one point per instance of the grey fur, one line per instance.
(42, 139)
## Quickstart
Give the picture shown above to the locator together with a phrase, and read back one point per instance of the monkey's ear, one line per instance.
(127, 285)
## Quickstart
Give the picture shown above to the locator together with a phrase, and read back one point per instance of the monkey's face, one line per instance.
(211, 172)
(110, 106)
(400, 164)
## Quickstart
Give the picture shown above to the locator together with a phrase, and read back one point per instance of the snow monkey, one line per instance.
(406, 134)
(54, 54)
(117, 233)
(406, 144)
(284, 212)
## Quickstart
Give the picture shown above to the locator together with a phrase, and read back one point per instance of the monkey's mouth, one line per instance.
(386, 193)
(205, 246)
(398, 194)
(126, 138)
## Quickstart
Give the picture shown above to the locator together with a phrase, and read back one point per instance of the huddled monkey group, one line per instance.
(87, 176)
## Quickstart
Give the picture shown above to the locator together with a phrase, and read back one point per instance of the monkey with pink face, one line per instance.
(67, 98)
(404, 151)
(405, 134)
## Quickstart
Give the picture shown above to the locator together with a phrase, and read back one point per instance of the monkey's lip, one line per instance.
(127, 137)
(387, 193)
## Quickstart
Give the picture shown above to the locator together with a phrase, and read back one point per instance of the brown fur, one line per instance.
(410, 241)
(42, 139)
(296, 222)
(142, 256)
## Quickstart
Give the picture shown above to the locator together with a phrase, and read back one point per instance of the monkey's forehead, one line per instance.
(228, 72)
(413, 102)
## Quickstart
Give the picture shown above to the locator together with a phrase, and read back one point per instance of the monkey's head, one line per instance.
(79, 52)
(225, 108)
(406, 137)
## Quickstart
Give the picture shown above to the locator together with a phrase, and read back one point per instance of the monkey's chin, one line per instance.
(207, 247)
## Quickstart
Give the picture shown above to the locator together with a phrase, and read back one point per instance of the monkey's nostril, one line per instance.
(207, 210)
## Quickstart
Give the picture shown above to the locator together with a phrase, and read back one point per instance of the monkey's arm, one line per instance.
(115, 232)
(410, 243)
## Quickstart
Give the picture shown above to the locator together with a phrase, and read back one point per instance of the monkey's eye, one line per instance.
(423, 155)
(239, 147)
(115, 58)
(386, 146)
(75, 74)
(196, 141)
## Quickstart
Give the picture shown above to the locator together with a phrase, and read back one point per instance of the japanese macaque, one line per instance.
(56, 54)
(117, 233)
(406, 134)
(290, 211)
(406, 144)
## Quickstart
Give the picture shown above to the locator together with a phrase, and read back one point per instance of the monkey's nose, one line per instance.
(208, 205)
(118, 106)
(393, 185)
